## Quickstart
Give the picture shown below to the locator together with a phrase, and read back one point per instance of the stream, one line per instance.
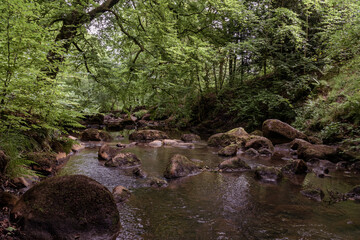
(214, 205)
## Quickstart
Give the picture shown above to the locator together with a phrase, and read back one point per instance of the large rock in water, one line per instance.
(92, 134)
(234, 136)
(107, 153)
(123, 160)
(310, 151)
(190, 137)
(234, 164)
(180, 166)
(147, 135)
(67, 207)
(280, 132)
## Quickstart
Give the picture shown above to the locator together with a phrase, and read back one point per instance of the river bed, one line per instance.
(213, 205)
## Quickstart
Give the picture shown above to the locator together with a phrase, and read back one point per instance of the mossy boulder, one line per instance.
(268, 174)
(180, 166)
(190, 137)
(257, 142)
(43, 162)
(280, 132)
(67, 207)
(312, 151)
(234, 164)
(123, 160)
(298, 143)
(234, 136)
(228, 150)
(147, 135)
(92, 134)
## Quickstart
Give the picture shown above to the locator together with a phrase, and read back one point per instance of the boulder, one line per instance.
(180, 166)
(92, 134)
(3, 161)
(234, 136)
(314, 194)
(156, 143)
(265, 152)
(298, 143)
(107, 153)
(234, 164)
(67, 207)
(147, 135)
(295, 167)
(268, 174)
(190, 137)
(257, 142)
(251, 152)
(228, 150)
(308, 152)
(280, 132)
(121, 194)
(8, 200)
(123, 160)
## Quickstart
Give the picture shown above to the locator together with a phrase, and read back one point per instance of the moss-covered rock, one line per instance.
(234, 164)
(190, 137)
(234, 136)
(123, 160)
(228, 150)
(180, 166)
(311, 151)
(298, 143)
(295, 167)
(107, 153)
(44, 162)
(147, 135)
(280, 132)
(92, 134)
(67, 207)
(257, 142)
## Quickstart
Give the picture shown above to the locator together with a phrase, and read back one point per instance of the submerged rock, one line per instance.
(147, 135)
(314, 194)
(268, 174)
(67, 207)
(121, 194)
(180, 166)
(92, 134)
(123, 160)
(234, 164)
(139, 173)
(280, 132)
(190, 137)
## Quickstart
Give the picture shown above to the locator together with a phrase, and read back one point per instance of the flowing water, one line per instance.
(214, 205)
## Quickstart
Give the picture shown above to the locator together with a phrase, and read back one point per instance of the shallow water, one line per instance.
(214, 205)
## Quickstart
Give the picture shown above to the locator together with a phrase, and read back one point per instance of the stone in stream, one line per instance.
(107, 153)
(228, 150)
(314, 194)
(156, 144)
(180, 166)
(295, 167)
(354, 194)
(257, 142)
(157, 182)
(123, 160)
(268, 174)
(139, 173)
(147, 135)
(234, 136)
(251, 152)
(234, 164)
(280, 132)
(67, 207)
(190, 137)
(121, 194)
(92, 134)
(311, 151)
